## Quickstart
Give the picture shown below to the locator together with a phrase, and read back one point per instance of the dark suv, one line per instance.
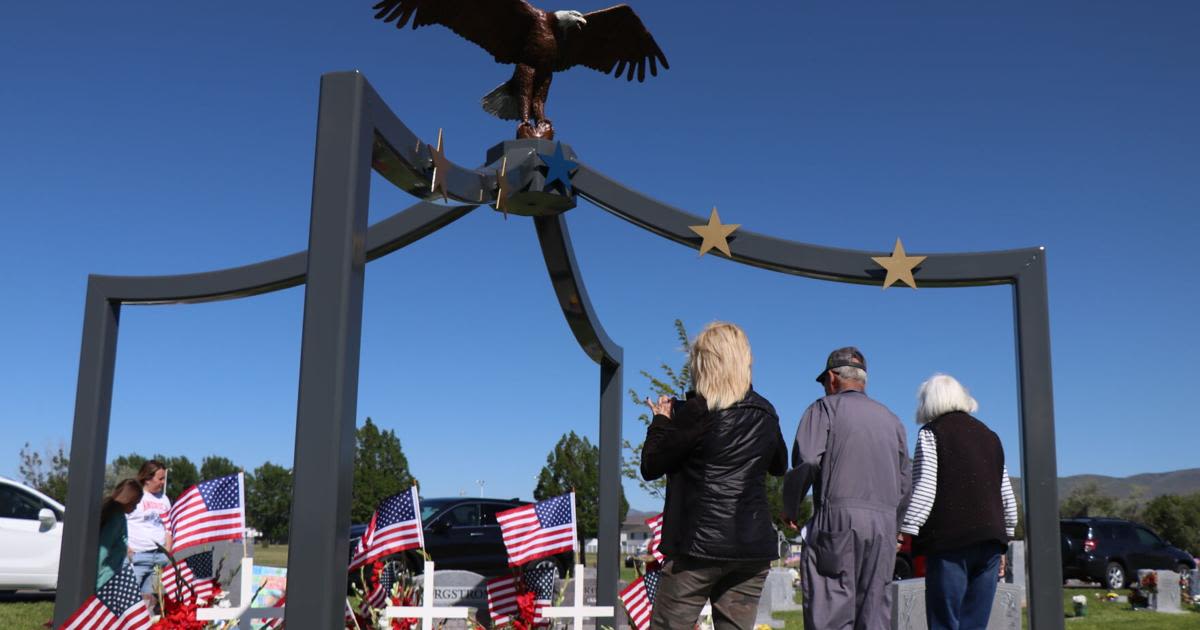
(1110, 551)
(462, 533)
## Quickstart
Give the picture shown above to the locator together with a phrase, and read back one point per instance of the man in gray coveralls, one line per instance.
(853, 453)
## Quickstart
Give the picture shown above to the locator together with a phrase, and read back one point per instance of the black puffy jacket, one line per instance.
(716, 466)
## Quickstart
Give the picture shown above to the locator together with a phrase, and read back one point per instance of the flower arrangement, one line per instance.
(1149, 583)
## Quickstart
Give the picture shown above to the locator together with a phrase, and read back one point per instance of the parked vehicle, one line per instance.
(462, 533)
(30, 537)
(1111, 551)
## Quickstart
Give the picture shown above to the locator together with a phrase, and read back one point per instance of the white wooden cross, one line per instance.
(243, 613)
(426, 612)
(578, 612)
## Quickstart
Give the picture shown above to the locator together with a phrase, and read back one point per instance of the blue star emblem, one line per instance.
(558, 168)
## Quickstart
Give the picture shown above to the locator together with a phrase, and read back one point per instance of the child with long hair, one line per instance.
(114, 537)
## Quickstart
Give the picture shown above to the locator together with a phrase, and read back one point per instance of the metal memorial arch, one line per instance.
(357, 133)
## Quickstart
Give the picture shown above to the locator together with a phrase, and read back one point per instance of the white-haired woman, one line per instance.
(962, 513)
(716, 448)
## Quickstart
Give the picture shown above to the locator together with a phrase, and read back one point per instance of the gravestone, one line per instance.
(1016, 567)
(1006, 607)
(778, 595)
(460, 588)
(1194, 583)
(1166, 599)
(567, 588)
(908, 606)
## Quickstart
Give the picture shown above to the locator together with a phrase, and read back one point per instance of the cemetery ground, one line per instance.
(30, 611)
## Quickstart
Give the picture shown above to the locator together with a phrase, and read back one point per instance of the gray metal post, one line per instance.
(607, 567)
(89, 445)
(328, 397)
(1039, 467)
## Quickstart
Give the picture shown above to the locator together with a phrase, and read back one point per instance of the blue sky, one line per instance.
(142, 139)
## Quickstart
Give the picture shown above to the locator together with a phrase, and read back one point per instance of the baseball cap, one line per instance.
(843, 357)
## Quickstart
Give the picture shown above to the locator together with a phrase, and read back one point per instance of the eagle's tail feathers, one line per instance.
(502, 102)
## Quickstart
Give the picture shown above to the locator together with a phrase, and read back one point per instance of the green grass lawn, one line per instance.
(25, 615)
(1100, 615)
(271, 555)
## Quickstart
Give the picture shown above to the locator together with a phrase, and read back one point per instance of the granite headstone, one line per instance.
(908, 606)
(1166, 600)
(460, 588)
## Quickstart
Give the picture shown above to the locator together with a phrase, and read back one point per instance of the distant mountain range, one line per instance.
(1145, 486)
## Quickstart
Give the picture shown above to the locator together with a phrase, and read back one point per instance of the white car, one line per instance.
(31, 526)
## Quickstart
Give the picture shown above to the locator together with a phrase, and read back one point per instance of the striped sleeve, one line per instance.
(924, 475)
(1010, 504)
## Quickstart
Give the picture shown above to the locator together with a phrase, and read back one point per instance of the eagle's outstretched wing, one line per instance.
(498, 26)
(612, 40)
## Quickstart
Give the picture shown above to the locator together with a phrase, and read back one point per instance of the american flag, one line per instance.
(638, 599)
(655, 525)
(539, 530)
(118, 605)
(502, 595)
(395, 526)
(378, 597)
(209, 511)
(196, 571)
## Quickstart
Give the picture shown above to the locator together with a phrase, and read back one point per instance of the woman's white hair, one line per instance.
(720, 364)
(940, 395)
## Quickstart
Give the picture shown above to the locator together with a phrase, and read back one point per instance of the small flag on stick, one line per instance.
(539, 530)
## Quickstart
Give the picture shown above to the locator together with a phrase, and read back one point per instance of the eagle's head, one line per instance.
(567, 19)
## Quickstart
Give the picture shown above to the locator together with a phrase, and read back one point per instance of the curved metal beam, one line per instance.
(397, 231)
(813, 261)
(572, 295)
(403, 159)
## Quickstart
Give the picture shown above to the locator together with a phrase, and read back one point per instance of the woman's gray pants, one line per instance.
(733, 587)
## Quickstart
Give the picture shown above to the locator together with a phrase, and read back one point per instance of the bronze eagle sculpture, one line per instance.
(539, 43)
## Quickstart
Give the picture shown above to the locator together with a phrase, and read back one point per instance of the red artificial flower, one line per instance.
(526, 607)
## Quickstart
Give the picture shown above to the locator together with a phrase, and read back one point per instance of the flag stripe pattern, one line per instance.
(539, 530)
(117, 605)
(196, 571)
(502, 595)
(209, 511)
(655, 524)
(378, 597)
(394, 527)
(638, 599)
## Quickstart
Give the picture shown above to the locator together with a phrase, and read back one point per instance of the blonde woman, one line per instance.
(962, 511)
(716, 448)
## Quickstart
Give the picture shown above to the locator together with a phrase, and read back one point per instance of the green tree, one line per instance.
(215, 466)
(181, 474)
(574, 464)
(1089, 500)
(673, 382)
(269, 501)
(1177, 519)
(48, 474)
(380, 470)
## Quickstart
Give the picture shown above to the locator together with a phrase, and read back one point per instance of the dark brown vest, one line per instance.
(967, 509)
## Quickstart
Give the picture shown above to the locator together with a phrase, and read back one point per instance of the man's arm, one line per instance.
(808, 451)
(906, 469)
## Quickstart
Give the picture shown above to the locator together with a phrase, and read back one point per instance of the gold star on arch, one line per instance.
(899, 266)
(715, 234)
(441, 166)
(503, 190)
